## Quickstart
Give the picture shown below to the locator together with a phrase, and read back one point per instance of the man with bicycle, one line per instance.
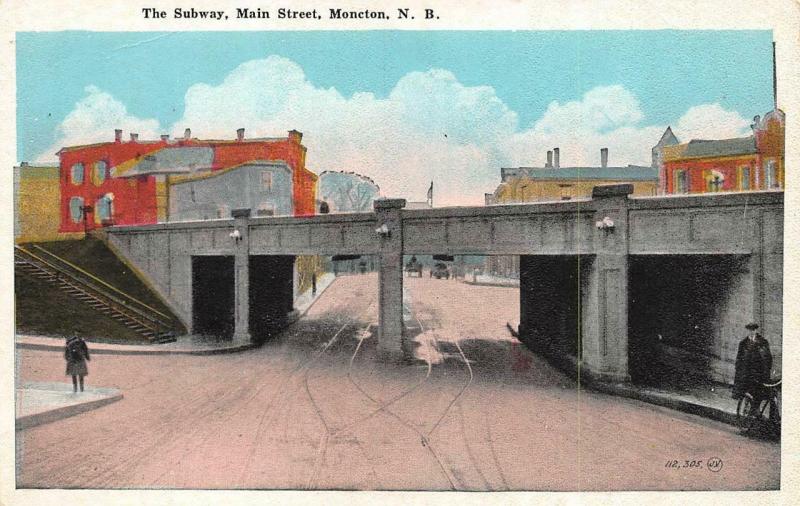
(753, 366)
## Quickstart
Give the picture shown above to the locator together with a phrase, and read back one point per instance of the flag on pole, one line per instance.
(430, 195)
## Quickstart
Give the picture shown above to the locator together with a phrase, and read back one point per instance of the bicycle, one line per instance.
(767, 414)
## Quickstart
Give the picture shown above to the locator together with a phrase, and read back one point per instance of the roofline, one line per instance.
(187, 178)
(26, 165)
(175, 141)
(619, 179)
(710, 157)
(580, 167)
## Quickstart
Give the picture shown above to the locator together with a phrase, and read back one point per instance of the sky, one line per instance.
(402, 107)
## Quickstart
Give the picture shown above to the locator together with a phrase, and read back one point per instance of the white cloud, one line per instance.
(429, 127)
(93, 119)
(711, 121)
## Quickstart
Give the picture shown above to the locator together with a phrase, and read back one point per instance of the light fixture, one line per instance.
(236, 235)
(605, 224)
(383, 231)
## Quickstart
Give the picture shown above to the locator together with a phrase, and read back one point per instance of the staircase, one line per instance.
(41, 264)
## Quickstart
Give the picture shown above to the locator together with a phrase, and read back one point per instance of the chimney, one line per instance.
(187, 134)
(165, 137)
(549, 159)
(296, 136)
(134, 137)
(556, 161)
(604, 157)
(117, 135)
(240, 134)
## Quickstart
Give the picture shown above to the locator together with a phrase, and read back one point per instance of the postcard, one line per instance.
(399, 252)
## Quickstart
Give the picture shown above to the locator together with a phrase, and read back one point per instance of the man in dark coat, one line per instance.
(753, 365)
(76, 353)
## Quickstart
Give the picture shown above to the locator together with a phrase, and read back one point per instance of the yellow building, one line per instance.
(36, 204)
(553, 182)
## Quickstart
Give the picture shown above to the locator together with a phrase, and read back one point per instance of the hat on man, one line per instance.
(751, 326)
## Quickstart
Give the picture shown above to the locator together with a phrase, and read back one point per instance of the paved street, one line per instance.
(314, 409)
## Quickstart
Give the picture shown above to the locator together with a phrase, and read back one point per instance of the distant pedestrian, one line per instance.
(753, 365)
(313, 283)
(324, 208)
(76, 353)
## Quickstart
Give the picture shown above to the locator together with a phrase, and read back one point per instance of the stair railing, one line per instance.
(121, 305)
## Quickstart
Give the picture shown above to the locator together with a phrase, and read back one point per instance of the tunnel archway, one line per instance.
(213, 296)
(271, 294)
(686, 314)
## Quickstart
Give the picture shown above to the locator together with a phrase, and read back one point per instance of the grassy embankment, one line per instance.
(43, 309)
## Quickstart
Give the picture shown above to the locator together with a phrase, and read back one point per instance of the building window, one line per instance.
(681, 182)
(76, 209)
(771, 175)
(99, 172)
(76, 174)
(265, 209)
(744, 177)
(266, 181)
(104, 208)
(714, 180)
(565, 191)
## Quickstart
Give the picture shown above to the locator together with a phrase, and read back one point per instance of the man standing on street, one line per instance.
(753, 365)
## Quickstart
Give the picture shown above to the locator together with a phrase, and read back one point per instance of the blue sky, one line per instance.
(67, 81)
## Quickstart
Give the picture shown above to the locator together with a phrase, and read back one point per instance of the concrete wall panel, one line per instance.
(361, 237)
(295, 237)
(523, 233)
(717, 227)
(327, 236)
(466, 236)
(653, 230)
(773, 231)
(264, 239)
(424, 236)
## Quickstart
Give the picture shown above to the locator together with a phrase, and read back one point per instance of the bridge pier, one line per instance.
(389, 226)
(241, 269)
(604, 297)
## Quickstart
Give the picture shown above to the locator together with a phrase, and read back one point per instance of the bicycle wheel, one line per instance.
(745, 416)
(772, 413)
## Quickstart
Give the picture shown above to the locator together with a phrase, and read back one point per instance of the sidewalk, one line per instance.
(715, 404)
(709, 401)
(489, 280)
(185, 345)
(40, 403)
(305, 300)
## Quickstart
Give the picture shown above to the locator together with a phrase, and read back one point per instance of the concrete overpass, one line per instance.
(585, 265)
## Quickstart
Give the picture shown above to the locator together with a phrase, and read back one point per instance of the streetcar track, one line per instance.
(323, 446)
(383, 408)
(281, 395)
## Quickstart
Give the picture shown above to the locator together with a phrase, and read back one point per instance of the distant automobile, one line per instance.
(440, 270)
(414, 267)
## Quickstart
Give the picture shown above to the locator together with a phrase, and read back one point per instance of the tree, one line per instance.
(347, 191)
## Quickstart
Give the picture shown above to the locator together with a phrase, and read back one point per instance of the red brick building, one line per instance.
(127, 182)
(755, 162)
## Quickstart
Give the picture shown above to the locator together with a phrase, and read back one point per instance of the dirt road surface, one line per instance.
(315, 409)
